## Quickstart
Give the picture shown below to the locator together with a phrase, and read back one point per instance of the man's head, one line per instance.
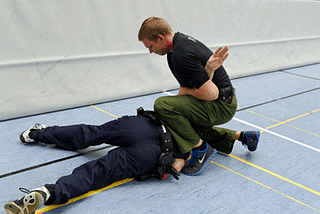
(156, 35)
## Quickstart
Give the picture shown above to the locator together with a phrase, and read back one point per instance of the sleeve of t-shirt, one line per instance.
(192, 71)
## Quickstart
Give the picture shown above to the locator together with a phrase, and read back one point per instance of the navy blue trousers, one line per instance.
(138, 152)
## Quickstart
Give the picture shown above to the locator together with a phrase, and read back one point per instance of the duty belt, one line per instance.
(165, 159)
(226, 94)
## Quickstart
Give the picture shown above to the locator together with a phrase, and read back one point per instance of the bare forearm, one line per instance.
(208, 91)
(209, 72)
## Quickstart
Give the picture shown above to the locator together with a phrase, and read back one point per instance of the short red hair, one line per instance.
(152, 27)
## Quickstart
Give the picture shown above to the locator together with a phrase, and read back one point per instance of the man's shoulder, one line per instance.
(188, 44)
(183, 41)
(183, 45)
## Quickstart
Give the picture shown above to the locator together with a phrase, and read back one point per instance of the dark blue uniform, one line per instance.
(138, 152)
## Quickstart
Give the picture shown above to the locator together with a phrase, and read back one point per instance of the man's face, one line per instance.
(158, 47)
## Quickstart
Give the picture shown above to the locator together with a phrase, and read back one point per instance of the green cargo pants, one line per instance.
(190, 119)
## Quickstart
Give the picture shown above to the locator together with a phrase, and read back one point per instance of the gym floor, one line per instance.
(281, 176)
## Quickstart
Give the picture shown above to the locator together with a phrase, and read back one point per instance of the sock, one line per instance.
(34, 134)
(202, 147)
(52, 198)
(242, 137)
(45, 190)
(180, 155)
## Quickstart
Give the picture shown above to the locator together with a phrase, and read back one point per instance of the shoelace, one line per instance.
(24, 190)
(194, 156)
(250, 136)
(38, 126)
(245, 144)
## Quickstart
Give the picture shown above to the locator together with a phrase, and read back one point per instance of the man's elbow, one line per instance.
(210, 90)
(212, 96)
(215, 95)
(207, 95)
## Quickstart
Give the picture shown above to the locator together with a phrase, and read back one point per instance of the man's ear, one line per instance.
(161, 37)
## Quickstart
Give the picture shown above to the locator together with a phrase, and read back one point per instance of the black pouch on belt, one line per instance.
(226, 94)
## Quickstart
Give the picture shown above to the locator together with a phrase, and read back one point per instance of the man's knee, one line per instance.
(159, 104)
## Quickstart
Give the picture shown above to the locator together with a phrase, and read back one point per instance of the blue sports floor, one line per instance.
(282, 176)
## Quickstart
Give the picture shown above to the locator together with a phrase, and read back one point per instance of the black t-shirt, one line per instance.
(188, 60)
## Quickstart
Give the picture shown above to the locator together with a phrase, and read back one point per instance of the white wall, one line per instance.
(59, 54)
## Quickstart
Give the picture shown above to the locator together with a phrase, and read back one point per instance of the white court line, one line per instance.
(278, 135)
(168, 93)
(271, 132)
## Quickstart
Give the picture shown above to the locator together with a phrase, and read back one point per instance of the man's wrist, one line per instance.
(209, 72)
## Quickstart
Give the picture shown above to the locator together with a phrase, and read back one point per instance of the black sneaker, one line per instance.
(252, 139)
(32, 201)
(25, 137)
(199, 160)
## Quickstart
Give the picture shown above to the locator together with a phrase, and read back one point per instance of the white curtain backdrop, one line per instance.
(61, 54)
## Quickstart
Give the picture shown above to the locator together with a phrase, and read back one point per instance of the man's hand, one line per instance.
(216, 60)
(178, 164)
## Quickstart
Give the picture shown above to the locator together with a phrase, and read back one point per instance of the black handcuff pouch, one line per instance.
(226, 94)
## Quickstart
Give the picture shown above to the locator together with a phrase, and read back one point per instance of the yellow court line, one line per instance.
(263, 116)
(104, 111)
(293, 119)
(274, 174)
(284, 122)
(266, 186)
(258, 167)
(302, 130)
(51, 207)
